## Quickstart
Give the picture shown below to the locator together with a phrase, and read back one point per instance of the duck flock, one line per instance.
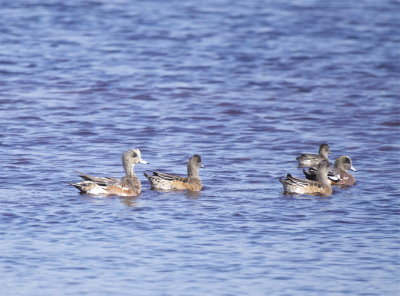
(320, 176)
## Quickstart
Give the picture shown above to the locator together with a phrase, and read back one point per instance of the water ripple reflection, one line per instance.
(248, 86)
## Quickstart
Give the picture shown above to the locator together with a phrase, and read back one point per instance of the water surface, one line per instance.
(248, 86)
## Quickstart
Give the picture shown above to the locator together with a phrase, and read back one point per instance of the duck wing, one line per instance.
(293, 181)
(310, 174)
(105, 181)
(309, 160)
(164, 176)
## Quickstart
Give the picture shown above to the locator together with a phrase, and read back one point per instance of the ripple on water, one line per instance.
(237, 83)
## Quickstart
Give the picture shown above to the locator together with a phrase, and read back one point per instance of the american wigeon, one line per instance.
(312, 160)
(322, 186)
(342, 164)
(168, 182)
(129, 185)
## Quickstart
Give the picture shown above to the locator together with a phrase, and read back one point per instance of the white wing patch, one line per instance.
(97, 190)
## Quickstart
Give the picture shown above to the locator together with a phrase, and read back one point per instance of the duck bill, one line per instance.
(353, 169)
(202, 166)
(143, 161)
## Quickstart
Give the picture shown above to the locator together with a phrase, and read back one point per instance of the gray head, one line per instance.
(344, 163)
(130, 158)
(324, 150)
(193, 166)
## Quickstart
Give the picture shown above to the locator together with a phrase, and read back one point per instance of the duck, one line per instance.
(192, 182)
(322, 186)
(342, 164)
(312, 160)
(129, 185)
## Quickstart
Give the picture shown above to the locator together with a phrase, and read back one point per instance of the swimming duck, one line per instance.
(312, 160)
(342, 164)
(129, 185)
(322, 186)
(167, 182)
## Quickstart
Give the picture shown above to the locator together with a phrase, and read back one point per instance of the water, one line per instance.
(248, 86)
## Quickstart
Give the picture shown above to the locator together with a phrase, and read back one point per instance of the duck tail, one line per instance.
(79, 186)
(283, 179)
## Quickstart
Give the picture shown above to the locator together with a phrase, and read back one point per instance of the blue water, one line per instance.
(248, 85)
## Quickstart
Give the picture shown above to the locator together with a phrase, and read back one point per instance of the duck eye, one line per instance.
(134, 154)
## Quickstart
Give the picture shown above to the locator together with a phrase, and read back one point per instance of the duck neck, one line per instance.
(322, 177)
(324, 153)
(339, 166)
(129, 172)
(193, 172)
